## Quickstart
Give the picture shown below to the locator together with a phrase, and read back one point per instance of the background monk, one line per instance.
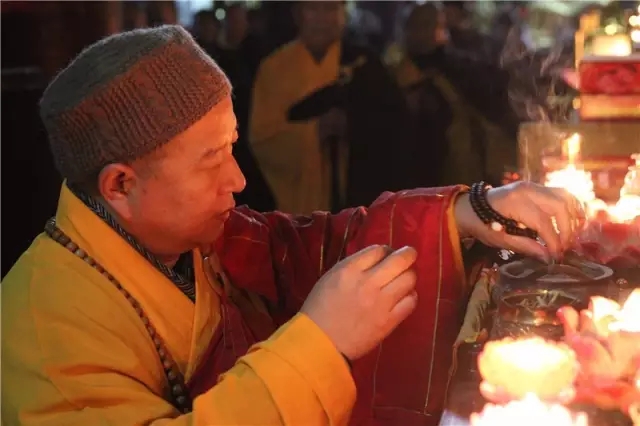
(457, 104)
(137, 306)
(339, 156)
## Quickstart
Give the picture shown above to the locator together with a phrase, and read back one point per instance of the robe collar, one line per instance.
(90, 226)
(186, 327)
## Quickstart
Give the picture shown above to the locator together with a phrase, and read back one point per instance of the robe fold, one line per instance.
(76, 353)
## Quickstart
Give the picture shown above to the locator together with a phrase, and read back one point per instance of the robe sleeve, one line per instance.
(79, 362)
(298, 250)
(288, 254)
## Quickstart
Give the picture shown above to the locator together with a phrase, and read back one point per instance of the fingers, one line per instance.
(564, 207)
(403, 309)
(534, 217)
(400, 287)
(527, 246)
(367, 258)
(393, 266)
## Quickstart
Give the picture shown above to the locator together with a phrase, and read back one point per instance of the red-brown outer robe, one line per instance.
(280, 257)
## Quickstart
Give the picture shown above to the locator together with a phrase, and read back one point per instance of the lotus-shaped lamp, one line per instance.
(513, 368)
(606, 340)
(529, 411)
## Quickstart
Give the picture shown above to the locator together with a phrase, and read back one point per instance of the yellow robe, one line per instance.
(289, 154)
(462, 164)
(74, 351)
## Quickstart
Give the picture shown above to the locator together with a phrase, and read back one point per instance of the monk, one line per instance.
(150, 299)
(340, 156)
(457, 105)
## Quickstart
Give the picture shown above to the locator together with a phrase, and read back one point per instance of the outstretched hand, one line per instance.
(553, 212)
(359, 301)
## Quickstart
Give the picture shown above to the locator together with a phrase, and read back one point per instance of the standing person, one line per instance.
(206, 31)
(458, 106)
(238, 53)
(363, 112)
(149, 299)
(463, 36)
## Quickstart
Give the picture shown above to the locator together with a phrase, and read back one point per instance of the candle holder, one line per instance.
(513, 368)
(528, 411)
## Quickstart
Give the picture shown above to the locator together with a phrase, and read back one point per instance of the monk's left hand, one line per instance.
(533, 205)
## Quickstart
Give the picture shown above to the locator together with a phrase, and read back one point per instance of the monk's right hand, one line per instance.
(359, 301)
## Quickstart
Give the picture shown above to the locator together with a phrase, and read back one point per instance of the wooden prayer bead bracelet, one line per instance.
(497, 222)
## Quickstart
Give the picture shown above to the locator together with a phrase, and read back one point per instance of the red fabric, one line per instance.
(402, 382)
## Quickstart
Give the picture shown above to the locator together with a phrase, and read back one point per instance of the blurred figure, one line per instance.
(452, 100)
(257, 22)
(238, 53)
(334, 153)
(134, 15)
(206, 30)
(235, 26)
(163, 12)
(460, 27)
(241, 37)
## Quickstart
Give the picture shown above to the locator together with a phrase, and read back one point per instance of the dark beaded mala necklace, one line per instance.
(178, 393)
(497, 222)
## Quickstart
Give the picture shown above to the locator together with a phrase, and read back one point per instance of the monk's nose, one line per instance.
(235, 180)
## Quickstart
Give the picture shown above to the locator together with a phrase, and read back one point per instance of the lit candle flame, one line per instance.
(609, 316)
(628, 317)
(532, 365)
(529, 411)
(579, 183)
(572, 178)
(572, 148)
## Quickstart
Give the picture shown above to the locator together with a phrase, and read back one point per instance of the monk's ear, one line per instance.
(115, 184)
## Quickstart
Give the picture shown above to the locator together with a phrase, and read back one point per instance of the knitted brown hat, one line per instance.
(127, 95)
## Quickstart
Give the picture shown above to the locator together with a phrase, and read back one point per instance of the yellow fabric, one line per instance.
(462, 163)
(74, 352)
(289, 154)
(454, 237)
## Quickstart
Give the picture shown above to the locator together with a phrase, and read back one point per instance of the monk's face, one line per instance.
(178, 198)
(320, 23)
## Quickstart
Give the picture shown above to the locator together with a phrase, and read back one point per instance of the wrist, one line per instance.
(464, 215)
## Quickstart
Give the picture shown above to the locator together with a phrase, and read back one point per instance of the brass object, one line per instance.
(529, 293)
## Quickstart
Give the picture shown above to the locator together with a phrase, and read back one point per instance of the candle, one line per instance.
(529, 411)
(513, 368)
(611, 45)
(573, 178)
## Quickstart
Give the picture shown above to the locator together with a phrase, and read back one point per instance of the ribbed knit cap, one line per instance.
(125, 96)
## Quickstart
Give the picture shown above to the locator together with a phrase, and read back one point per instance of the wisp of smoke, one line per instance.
(537, 91)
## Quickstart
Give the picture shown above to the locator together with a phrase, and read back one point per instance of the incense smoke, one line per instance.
(537, 91)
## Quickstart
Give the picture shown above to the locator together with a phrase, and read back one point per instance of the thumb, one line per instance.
(527, 246)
